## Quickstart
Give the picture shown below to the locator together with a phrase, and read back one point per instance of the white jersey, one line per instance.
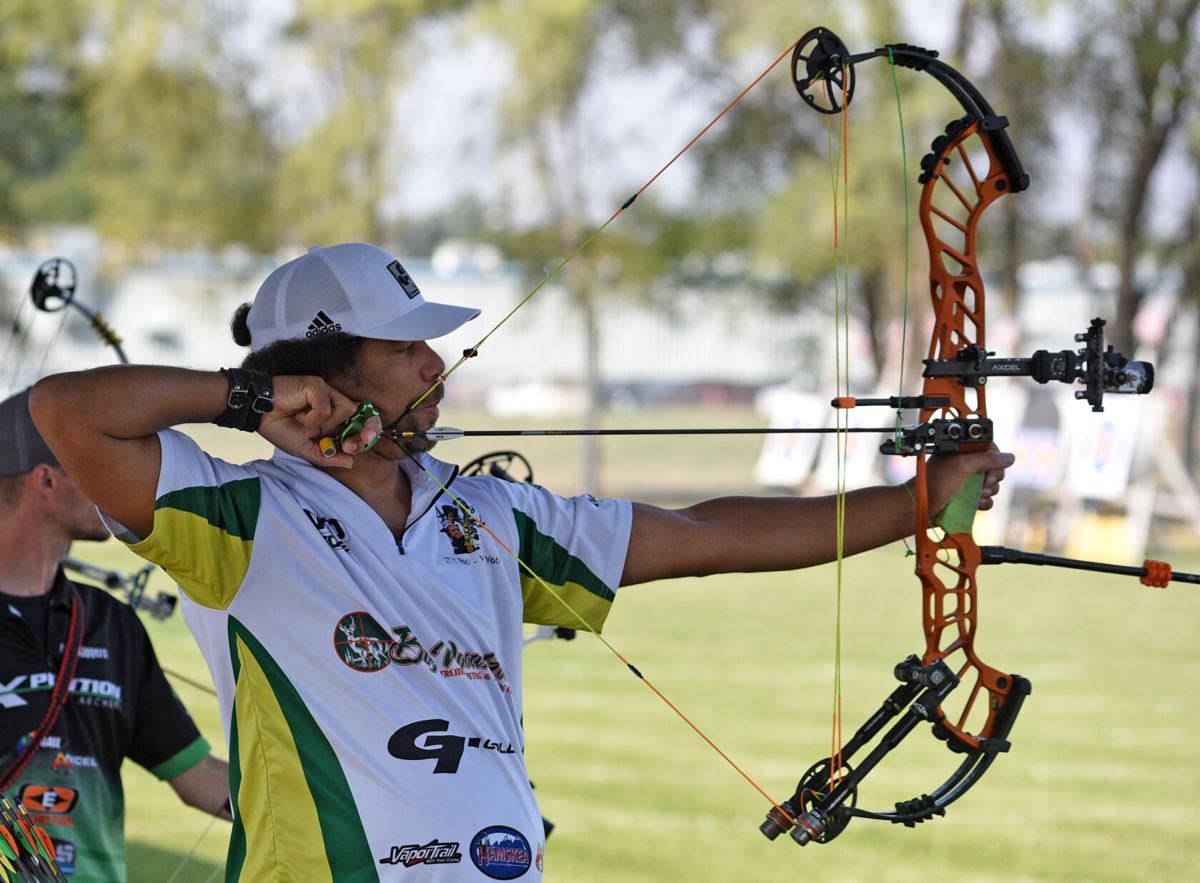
(371, 690)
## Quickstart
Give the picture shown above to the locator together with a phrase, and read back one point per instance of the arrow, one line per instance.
(449, 433)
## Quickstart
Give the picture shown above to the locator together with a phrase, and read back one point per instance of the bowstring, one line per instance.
(908, 550)
(839, 167)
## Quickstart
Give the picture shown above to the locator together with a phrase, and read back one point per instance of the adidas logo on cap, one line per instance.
(322, 324)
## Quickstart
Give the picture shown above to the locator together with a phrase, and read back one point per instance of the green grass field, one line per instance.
(1101, 784)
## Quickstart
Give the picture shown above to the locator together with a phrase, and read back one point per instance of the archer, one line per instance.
(327, 744)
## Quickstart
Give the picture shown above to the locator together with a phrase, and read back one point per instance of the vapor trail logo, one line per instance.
(432, 853)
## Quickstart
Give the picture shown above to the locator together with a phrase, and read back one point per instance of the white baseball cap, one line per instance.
(354, 288)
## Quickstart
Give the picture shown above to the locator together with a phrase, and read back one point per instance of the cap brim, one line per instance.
(426, 322)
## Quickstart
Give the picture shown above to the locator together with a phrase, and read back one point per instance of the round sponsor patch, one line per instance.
(361, 642)
(501, 853)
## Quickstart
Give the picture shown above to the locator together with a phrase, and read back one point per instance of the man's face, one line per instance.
(75, 513)
(393, 374)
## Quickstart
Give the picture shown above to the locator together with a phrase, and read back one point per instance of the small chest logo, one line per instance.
(331, 530)
(361, 642)
(461, 527)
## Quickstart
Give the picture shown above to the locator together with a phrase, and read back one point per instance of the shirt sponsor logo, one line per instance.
(85, 691)
(362, 644)
(47, 799)
(64, 855)
(331, 530)
(64, 761)
(501, 853)
(461, 527)
(447, 749)
(432, 853)
(322, 324)
(54, 742)
(93, 653)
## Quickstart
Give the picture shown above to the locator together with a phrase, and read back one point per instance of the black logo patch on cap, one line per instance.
(406, 282)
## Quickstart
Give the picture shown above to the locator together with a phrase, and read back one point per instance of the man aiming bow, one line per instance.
(368, 661)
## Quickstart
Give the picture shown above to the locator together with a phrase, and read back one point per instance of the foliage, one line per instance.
(122, 123)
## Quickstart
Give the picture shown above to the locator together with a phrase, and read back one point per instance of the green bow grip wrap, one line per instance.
(959, 514)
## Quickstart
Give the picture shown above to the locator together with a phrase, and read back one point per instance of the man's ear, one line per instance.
(43, 477)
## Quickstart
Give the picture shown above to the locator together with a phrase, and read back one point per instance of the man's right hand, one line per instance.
(307, 409)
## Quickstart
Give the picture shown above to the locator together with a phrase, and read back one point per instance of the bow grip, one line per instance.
(958, 516)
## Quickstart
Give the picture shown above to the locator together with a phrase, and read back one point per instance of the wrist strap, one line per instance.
(251, 395)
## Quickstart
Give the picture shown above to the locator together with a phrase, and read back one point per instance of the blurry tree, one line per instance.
(119, 121)
(336, 176)
(41, 125)
(1000, 43)
(560, 50)
(1136, 66)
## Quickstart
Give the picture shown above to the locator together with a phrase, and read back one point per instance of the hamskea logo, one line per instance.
(322, 324)
(447, 749)
(501, 852)
(432, 853)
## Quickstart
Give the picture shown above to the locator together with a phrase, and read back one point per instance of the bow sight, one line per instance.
(1100, 370)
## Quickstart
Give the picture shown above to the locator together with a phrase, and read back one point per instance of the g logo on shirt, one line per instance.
(447, 750)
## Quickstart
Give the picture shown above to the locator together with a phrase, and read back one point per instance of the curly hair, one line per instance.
(328, 356)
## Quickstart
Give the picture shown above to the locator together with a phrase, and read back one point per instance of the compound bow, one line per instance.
(969, 167)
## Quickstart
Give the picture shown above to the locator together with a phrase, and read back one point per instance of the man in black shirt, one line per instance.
(61, 749)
